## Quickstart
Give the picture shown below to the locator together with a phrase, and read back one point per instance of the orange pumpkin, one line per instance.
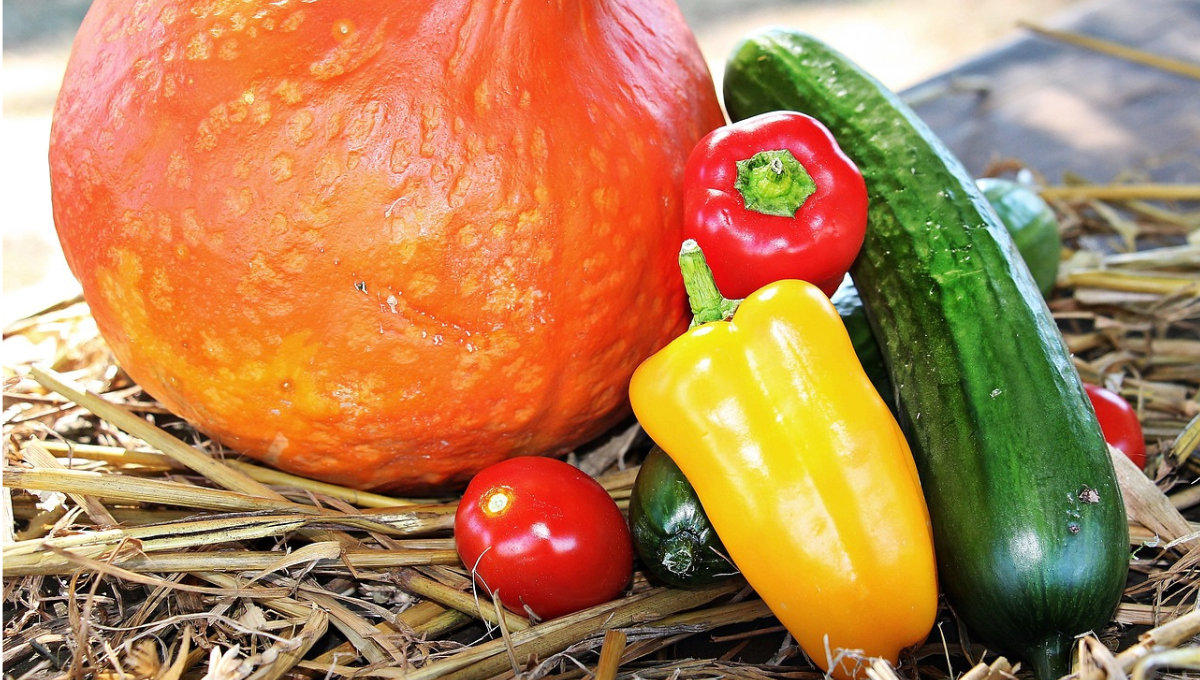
(382, 244)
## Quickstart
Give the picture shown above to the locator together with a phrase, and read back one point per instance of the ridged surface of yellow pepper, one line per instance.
(802, 470)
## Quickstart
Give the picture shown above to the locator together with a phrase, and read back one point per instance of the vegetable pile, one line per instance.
(898, 439)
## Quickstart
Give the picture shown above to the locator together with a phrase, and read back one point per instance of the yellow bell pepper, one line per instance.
(800, 466)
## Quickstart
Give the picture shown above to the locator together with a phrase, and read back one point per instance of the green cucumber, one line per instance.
(1027, 516)
(1032, 225)
(671, 532)
(1034, 229)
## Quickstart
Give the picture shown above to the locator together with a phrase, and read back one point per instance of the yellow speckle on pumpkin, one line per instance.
(235, 112)
(459, 191)
(333, 126)
(164, 225)
(468, 285)
(348, 54)
(538, 148)
(191, 228)
(398, 161)
(282, 167)
(238, 200)
(468, 237)
(294, 262)
(289, 92)
(279, 226)
(260, 111)
(228, 51)
(199, 48)
(599, 159)
(132, 225)
(160, 291)
(482, 104)
(241, 169)
(329, 169)
(299, 127)
(423, 285)
(403, 355)
(293, 21)
(358, 131)
(606, 200)
(178, 174)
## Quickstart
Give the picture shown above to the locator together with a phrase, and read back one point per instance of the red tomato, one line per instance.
(1119, 422)
(545, 535)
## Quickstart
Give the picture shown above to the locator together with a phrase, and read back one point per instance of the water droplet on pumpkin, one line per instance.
(343, 30)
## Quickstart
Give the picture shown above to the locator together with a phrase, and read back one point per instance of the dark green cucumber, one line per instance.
(1035, 231)
(1031, 223)
(1028, 520)
(671, 532)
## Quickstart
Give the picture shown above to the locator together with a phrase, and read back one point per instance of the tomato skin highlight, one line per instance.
(545, 535)
(1119, 422)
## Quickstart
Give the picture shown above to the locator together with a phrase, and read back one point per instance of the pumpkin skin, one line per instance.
(381, 244)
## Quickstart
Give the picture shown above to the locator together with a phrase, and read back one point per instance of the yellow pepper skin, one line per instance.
(802, 470)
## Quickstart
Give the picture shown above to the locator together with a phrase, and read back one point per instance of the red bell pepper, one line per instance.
(774, 197)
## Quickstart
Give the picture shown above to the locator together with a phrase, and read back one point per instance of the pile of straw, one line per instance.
(134, 548)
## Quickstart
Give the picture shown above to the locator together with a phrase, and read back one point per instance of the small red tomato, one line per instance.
(545, 535)
(1119, 422)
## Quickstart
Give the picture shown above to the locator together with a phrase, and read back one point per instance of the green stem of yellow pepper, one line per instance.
(705, 299)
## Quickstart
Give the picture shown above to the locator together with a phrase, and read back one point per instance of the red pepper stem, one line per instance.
(705, 299)
(773, 183)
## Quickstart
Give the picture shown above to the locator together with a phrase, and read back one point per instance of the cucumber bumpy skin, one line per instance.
(1028, 520)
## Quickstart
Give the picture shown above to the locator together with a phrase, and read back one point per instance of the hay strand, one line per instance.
(610, 655)
(1177, 66)
(211, 469)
